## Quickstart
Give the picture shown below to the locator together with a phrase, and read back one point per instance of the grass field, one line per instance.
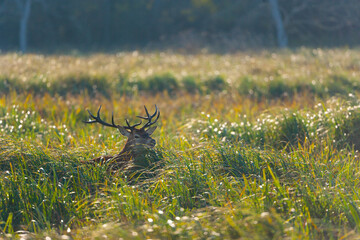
(255, 145)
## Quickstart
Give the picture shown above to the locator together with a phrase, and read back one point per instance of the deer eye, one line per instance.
(137, 136)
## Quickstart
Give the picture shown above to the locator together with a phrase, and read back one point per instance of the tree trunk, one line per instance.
(280, 30)
(25, 14)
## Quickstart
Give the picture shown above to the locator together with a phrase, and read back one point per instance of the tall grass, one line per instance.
(255, 160)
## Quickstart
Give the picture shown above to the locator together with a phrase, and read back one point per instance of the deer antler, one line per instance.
(98, 119)
(149, 118)
(131, 127)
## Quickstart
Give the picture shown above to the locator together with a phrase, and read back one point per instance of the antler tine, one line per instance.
(149, 118)
(98, 119)
(148, 115)
(129, 127)
(90, 121)
(156, 118)
(91, 115)
(112, 118)
(156, 110)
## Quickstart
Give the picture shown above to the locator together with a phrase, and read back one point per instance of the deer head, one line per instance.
(138, 138)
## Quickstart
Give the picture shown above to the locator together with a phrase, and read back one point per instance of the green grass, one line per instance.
(264, 152)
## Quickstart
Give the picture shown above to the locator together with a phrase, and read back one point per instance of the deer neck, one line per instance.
(128, 151)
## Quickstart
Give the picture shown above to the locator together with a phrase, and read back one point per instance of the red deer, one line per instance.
(138, 140)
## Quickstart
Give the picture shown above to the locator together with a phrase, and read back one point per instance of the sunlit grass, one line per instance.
(229, 163)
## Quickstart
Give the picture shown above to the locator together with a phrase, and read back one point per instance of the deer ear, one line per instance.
(151, 130)
(123, 131)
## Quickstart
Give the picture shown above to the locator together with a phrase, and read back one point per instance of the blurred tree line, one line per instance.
(230, 24)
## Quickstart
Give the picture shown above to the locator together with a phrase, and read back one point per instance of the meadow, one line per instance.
(250, 145)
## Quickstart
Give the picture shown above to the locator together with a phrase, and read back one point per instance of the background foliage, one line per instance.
(188, 24)
(249, 145)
